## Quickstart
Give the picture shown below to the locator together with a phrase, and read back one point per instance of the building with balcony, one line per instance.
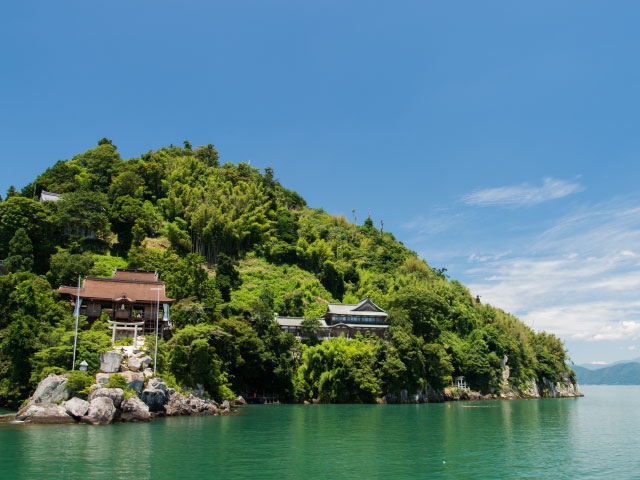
(344, 319)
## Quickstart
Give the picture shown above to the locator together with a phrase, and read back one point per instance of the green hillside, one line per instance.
(235, 247)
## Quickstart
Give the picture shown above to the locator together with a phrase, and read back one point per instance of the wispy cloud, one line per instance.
(575, 274)
(578, 279)
(522, 195)
(439, 220)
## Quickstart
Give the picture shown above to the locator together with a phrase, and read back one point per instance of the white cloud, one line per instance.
(576, 274)
(522, 195)
(437, 222)
(578, 279)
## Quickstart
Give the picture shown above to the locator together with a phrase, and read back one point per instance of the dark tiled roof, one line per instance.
(365, 307)
(140, 288)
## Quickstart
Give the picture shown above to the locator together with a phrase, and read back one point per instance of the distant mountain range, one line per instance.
(627, 373)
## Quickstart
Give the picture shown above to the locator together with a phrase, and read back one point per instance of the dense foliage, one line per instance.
(234, 247)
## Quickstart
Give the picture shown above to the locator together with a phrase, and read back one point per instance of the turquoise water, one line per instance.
(591, 437)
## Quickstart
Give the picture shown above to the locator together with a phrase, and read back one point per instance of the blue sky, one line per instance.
(498, 139)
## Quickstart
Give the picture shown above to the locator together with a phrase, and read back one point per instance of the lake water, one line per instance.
(591, 437)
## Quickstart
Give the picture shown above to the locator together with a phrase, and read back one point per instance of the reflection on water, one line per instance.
(594, 436)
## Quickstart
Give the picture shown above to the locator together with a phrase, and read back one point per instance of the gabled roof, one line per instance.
(296, 322)
(142, 275)
(365, 306)
(127, 286)
(49, 196)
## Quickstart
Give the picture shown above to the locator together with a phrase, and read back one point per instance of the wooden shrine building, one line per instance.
(133, 299)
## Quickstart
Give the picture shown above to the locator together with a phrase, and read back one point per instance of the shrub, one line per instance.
(124, 342)
(80, 383)
(116, 381)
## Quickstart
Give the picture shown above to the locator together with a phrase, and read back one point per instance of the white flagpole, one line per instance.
(75, 338)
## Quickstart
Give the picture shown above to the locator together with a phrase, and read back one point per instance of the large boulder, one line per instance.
(135, 381)
(52, 389)
(139, 363)
(155, 399)
(157, 384)
(189, 405)
(156, 395)
(110, 362)
(103, 378)
(115, 394)
(44, 413)
(102, 411)
(76, 407)
(134, 410)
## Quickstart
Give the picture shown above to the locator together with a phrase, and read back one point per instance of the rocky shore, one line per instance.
(508, 390)
(145, 397)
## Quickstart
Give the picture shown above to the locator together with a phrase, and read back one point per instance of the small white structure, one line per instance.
(459, 382)
(49, 196)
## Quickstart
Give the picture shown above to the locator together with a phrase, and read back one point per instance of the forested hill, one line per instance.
(618, 374)
(234, 247)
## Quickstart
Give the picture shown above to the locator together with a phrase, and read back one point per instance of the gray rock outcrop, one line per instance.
(102, 411)
(52, 389)
(44, 413)
(115, 394)
(189, 405)
(156, 395)
(138, 363)
(157, 384)
(103, 378)
(135, 380)
(77, 407)
(561, 389)
(110, 362)
(134, 410)
(107, 405)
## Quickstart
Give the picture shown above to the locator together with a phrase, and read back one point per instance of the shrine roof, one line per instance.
(120, 289)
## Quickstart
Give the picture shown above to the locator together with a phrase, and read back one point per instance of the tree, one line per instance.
(332, 279)
(60, 178)
(20, 257)
(193, 359)
(227, 277)
(425, 308)
(20, 212)
(101, 165)
(127, 183)
(263, 308)
(309, 327)
(439, 367)
(127, 213)
(208, 155)
(340, 371)
(65, 268)
(83, 215)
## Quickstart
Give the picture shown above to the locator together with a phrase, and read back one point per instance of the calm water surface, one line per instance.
(591, 437)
